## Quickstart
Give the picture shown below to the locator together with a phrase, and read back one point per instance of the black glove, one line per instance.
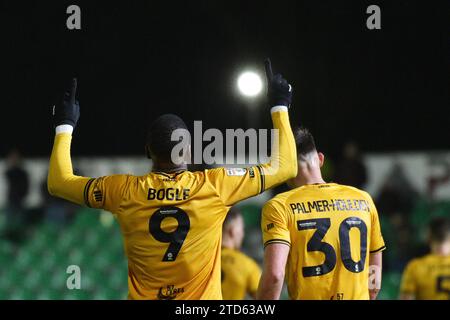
(68, 110)
(279, 91)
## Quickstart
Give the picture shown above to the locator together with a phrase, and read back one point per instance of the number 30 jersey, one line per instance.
(172, 227)
(331, 230)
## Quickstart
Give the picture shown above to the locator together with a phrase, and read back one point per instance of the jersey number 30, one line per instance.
(174, 238)
(316, 244)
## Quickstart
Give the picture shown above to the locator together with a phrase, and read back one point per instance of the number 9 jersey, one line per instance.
(331, 229)
(172, 227)
(172, 222)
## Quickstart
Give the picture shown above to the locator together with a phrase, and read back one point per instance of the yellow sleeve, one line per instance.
(107, 192)
(408, 284)
(104, 192)
(376, 238)
(274, 224)
(61, 181)
(254, 276)
(236, 184)
(283, 161)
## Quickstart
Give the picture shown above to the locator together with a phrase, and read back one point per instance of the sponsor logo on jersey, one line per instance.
(236, 171)
(169, 293)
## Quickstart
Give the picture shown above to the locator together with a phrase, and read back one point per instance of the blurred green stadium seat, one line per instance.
(38, 267)
(422, 214)
(251, 214)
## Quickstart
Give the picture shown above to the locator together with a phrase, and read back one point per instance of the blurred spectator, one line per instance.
(395, 202)
(435, 181)
(351, 170)
(17, 185)
(56, 210)
(328, 170)
(397, 195)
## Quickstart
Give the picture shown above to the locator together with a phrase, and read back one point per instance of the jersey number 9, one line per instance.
(174, 238)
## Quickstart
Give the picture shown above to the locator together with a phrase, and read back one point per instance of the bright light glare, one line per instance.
(249, 84)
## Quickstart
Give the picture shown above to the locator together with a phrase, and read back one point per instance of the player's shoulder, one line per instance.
(353, 190)
(116, 178)
(205, 174)
(237, 255)
(244, 258)
(282, 198)
(432, 259)
(418, 262)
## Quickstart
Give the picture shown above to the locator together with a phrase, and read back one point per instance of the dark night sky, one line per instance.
(388, 89)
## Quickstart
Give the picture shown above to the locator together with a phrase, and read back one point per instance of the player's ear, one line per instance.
(321, 158)
(147, 152)
(232, 231)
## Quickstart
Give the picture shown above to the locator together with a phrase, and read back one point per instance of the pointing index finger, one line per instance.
(268, 67)
(73, 89)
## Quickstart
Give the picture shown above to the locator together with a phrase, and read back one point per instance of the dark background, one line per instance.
(388, 89)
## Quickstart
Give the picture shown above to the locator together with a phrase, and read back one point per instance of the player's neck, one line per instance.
(440, 249)
(314, 180)
(228, 243)
(308, 177)
(168, 167)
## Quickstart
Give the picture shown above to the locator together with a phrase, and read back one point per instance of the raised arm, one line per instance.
(61, 181)
(283, 162)
(234, 186)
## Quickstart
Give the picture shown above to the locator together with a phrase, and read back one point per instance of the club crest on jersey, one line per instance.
(236, 171)
(169, 293)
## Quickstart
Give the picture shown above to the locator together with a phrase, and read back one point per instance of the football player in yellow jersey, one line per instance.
(171, 219)
(240, 274)
(321, 237)
(428, 277)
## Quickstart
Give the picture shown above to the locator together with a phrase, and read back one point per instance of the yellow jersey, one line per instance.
(427, 278)
(240, 275)
(172, 222)
(330, 229)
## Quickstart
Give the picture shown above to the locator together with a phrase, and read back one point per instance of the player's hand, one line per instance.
(68, 110)
(279, 91)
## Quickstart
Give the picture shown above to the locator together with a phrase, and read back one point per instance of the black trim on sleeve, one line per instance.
(277, 241)
(375, 251)
(86, 192)
(262, 179)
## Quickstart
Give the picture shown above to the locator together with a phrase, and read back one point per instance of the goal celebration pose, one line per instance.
(171, 218)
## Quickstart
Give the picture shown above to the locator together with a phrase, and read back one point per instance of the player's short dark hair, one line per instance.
(232, 214)
(159, 135)
(304, 141)
(439, 229)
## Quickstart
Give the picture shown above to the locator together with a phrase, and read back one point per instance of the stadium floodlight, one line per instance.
(249, 84)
